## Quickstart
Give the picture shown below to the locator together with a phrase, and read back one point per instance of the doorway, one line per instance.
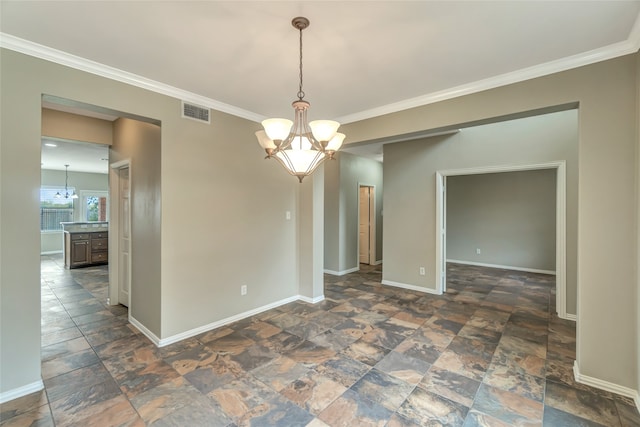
(366, 224)
(560, 218)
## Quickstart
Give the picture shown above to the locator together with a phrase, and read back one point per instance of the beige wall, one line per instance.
(607, 128)
(59, 124)
(510, 217)
(223, 209)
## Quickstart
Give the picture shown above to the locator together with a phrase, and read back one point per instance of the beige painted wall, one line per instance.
(343, 176)
(51, 241)
(140, 143)
(607, 128)
(223, 209)
(510, 217)
(59, 124)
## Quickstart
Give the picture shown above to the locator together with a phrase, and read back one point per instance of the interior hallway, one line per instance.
(487, 353)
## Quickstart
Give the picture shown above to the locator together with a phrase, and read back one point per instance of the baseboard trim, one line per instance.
(206, 328)
(378, 262)
(503, 267)
(605, 385)
(50, 252)
(311, 300)
(146, 332)
(343, 272)
(410, 287)
(570, 317)
(21, 391)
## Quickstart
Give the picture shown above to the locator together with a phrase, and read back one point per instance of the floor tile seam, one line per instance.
(72, 370)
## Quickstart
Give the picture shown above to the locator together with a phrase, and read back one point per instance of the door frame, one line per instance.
(114, 231)
(561, 223)
(372, 225)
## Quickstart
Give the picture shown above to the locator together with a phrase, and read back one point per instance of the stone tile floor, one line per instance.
(488, 353)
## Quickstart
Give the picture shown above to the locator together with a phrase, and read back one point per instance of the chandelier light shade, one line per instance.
(300, 146)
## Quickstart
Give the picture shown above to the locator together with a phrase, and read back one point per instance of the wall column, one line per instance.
(311, 237)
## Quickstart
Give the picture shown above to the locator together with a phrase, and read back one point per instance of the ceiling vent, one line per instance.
(196, 112)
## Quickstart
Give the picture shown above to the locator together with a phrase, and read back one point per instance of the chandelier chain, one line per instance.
(300, 91)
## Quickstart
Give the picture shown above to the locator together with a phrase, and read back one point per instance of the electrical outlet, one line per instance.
(477, 251)
(287, 215)
(243, 290)
(422, 271)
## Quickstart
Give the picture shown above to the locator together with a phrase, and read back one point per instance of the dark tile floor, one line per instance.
(488, 353)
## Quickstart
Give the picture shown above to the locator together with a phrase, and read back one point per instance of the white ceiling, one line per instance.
(361, 58)
(80, 156)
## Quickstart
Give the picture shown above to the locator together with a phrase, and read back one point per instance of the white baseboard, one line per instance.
(206, 328)
(605, 385)
(311, 300)
(570, 317)
(503, 267)
(411, 287)
(146, 332)
(50, 252)
(343, 272)
(378, 262)
(21, 391)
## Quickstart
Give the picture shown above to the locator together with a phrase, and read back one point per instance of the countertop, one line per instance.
(85, 227)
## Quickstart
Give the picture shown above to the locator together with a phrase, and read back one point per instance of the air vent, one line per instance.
(196, 112)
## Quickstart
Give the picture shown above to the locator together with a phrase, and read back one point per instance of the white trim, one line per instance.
(36, 50)
(205, 328)
(50, 252)
(21, 391)
(573, 317)
(411, 287)
(561, 227)
(146, 332)
(311, 300)
(378, 262)
(343, 272)
(114, 231)
(605, 385)
(615, 50)
(503, 267)
(626, 47)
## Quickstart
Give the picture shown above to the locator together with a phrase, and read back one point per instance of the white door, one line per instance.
(367, 225)
(364, 225)
(124, 237)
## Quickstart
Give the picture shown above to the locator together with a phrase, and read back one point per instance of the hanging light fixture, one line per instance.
(66, 188)
(300, 146)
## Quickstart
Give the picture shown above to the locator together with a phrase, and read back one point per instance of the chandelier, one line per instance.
(300, 146)
(66, 189)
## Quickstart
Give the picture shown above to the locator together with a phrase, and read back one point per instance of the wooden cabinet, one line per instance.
(83, 249)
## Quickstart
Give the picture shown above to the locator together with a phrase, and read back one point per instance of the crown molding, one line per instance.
(27, 47)
(629, 46)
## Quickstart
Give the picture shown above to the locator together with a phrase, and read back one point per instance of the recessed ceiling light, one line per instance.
(49, 144)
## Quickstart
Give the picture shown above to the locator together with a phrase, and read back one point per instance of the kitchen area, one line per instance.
(85, 243)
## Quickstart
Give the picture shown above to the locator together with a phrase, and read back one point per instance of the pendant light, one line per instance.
(299, 146)
(66, 187)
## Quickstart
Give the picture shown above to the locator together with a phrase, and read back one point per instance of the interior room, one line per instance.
(457, 244)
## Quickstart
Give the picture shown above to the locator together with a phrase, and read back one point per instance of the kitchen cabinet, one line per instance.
(85, 249)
